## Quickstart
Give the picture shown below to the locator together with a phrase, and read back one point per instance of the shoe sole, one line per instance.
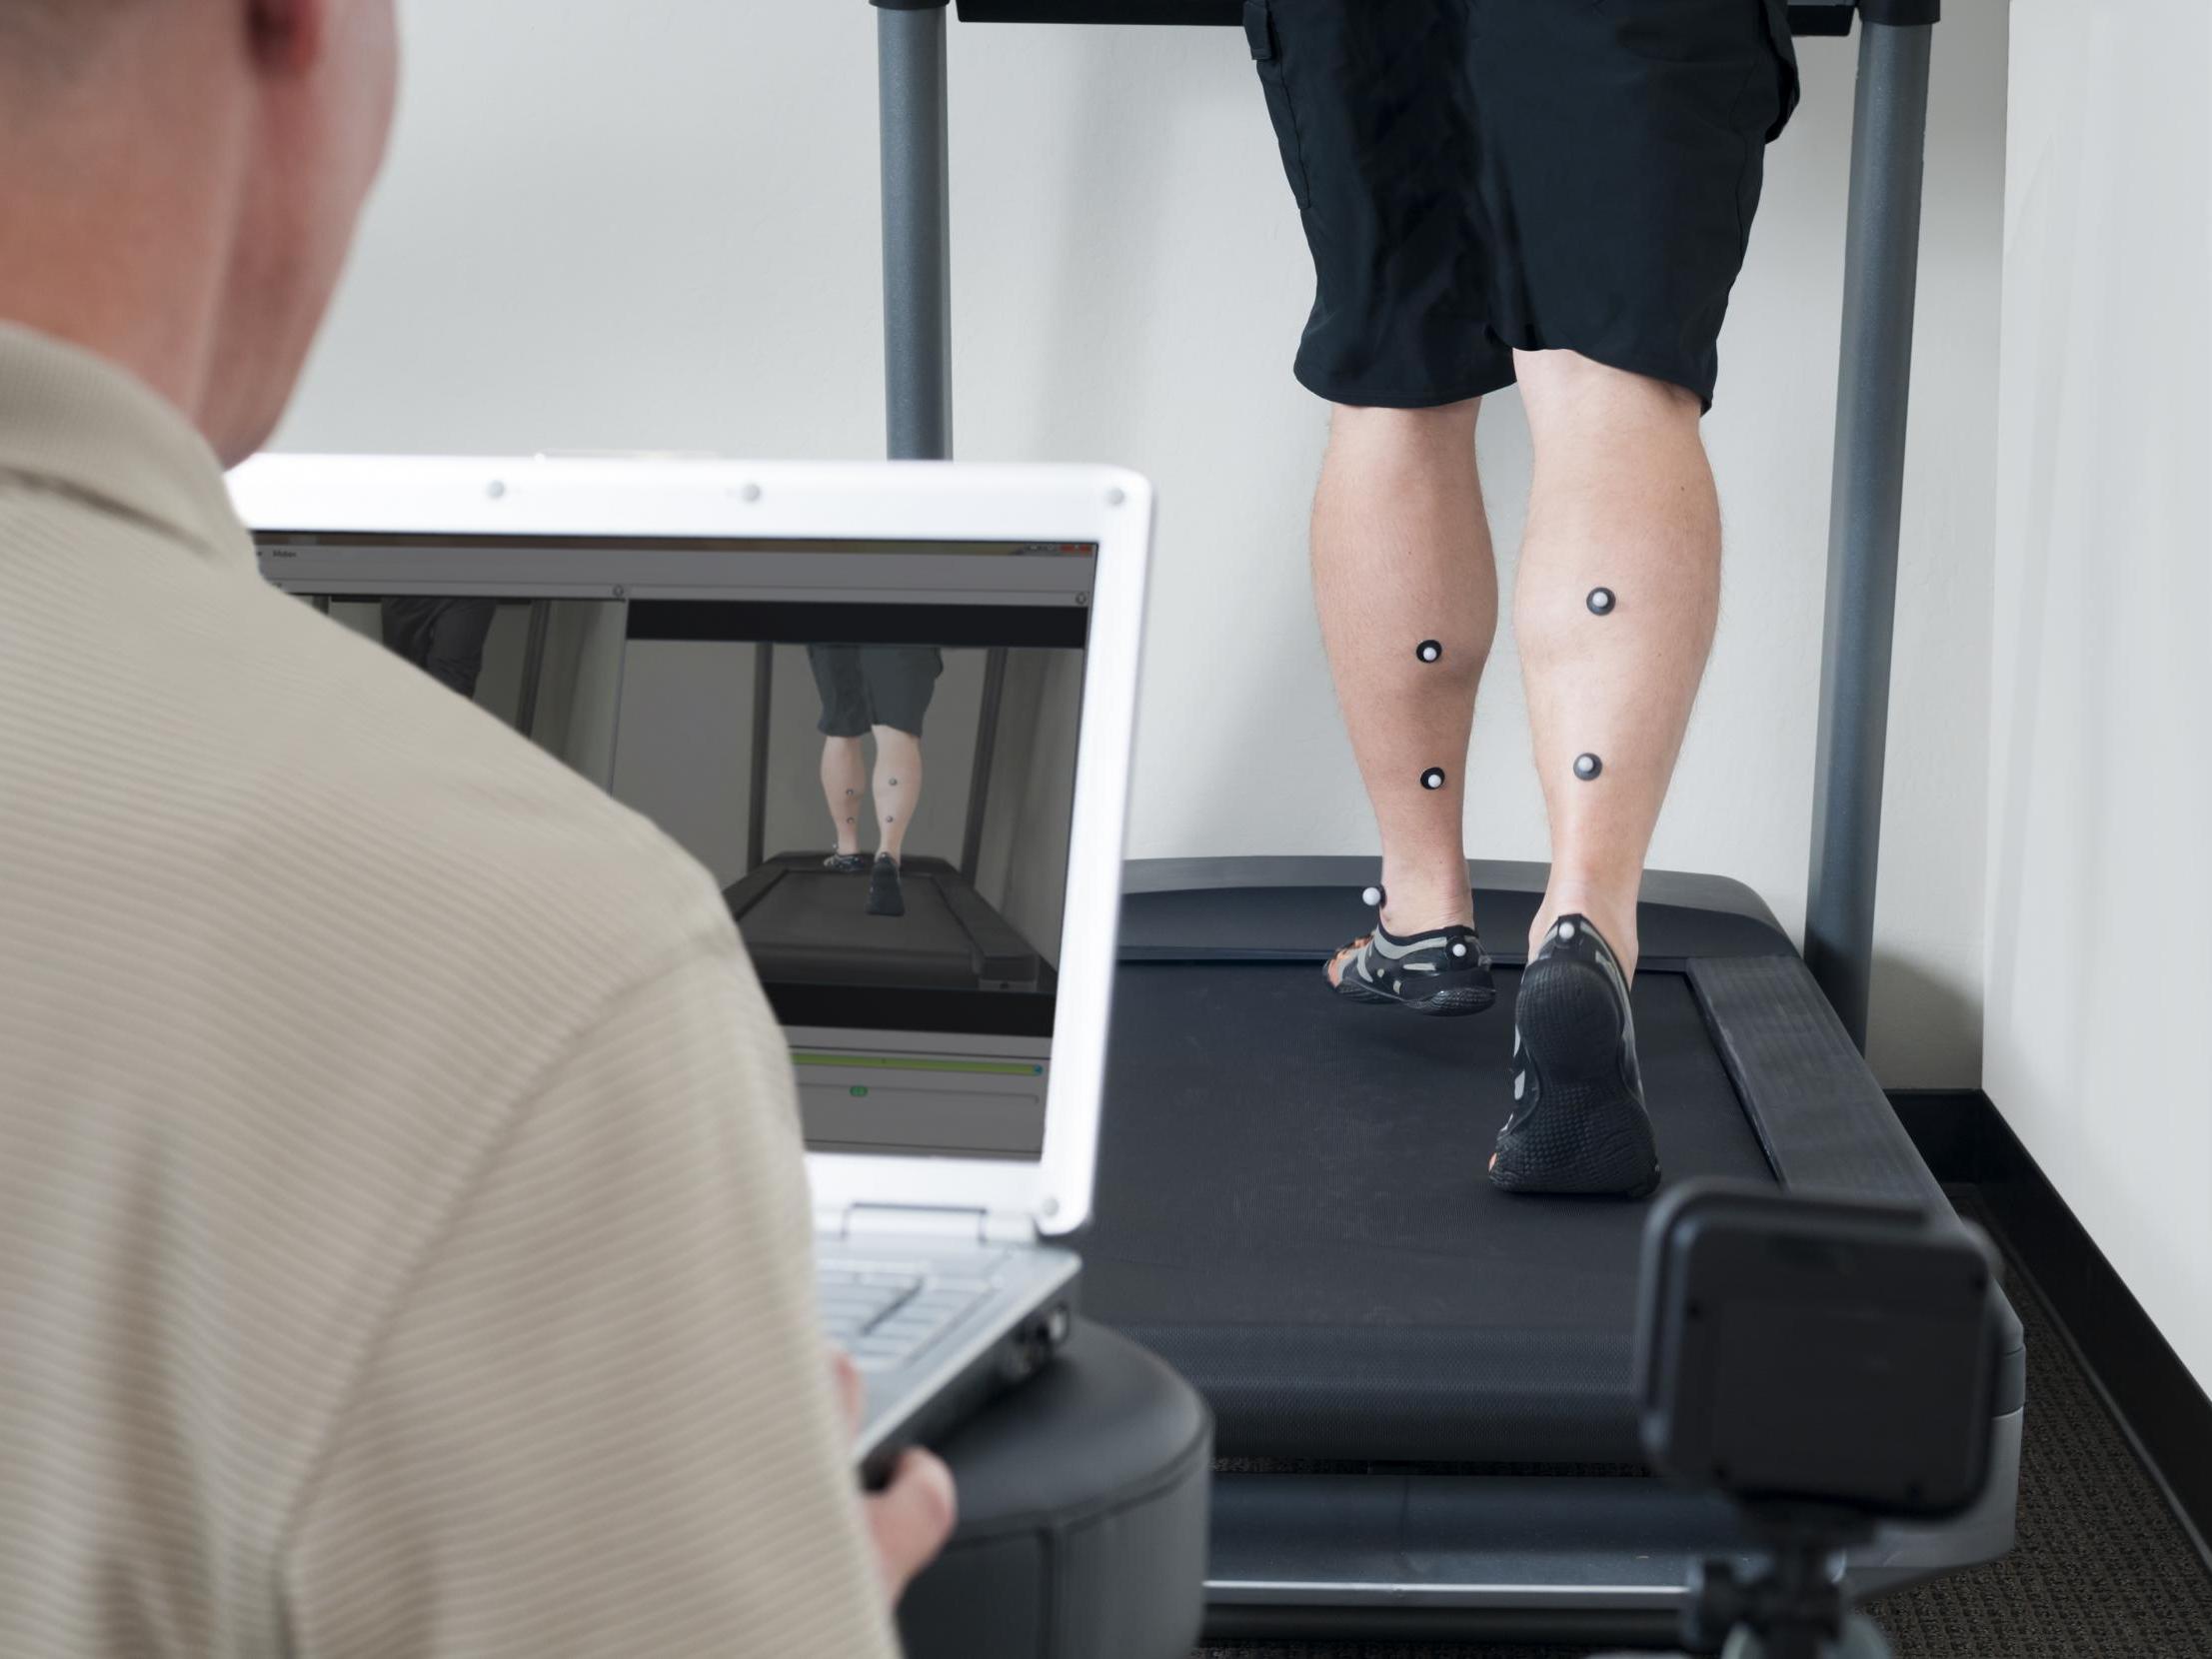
(1589, 1136)
(883, 904)
(1452, 1001)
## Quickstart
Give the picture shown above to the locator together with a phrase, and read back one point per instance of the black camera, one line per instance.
(1826, 1364)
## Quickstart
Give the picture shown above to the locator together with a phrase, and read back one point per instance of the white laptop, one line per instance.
(757, 657)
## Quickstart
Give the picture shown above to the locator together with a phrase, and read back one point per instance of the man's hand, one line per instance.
(910, 1519)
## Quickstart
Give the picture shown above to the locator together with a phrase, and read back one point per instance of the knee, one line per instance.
(1409, 432)
(1567, 383)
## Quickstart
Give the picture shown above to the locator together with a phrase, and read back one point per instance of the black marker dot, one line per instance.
(1601, 602)
(1429, 650)
(1433, 778)
(1587, 766)
(894, 782)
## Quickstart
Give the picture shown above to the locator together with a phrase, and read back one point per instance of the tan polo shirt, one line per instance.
(403, 1236)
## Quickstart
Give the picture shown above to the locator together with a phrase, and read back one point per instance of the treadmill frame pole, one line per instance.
(1873, 393)
(918, 269)
(1874, 387)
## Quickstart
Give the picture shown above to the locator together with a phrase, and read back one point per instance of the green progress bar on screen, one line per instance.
(883, 1062)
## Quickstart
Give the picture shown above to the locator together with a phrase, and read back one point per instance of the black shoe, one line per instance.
(845, 864)
(1444, 972)
(885, 895)
(1579, 1122)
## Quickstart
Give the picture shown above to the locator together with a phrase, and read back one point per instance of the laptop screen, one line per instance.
(803, 709)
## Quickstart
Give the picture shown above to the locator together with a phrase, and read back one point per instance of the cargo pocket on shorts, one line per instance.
(1260, 34)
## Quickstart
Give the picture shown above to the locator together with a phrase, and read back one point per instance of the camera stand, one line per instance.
(1794, 1608)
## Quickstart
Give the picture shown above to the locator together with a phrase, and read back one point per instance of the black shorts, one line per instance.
(1483, 175)
(864, 686)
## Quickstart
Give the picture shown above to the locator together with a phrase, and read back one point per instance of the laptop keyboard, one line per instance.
(885, 1314)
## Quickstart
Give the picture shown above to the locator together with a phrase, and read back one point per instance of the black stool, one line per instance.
(1083, 1529)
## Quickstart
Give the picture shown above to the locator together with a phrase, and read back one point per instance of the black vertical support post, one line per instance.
(987, 747)
(534, 667)
(1880, 267)
(917, 278)
(755, 801)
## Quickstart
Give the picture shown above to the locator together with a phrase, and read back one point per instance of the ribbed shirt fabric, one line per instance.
(404, 1244)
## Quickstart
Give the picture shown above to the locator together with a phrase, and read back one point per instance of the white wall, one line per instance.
(2100, 893)
(656, 227)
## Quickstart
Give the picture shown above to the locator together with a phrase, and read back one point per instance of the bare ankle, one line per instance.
(1614, 918)
(1415, 903)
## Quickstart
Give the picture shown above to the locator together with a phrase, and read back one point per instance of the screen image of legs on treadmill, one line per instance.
(888, 819)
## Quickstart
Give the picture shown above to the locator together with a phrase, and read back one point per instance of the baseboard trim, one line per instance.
(2159, 1405)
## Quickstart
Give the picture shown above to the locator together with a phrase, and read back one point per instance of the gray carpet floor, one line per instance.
(2102, 1567)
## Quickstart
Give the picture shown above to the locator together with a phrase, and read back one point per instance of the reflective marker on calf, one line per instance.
(1587, 766)
(1601, 601)
(1433, 778)
(1429, 650)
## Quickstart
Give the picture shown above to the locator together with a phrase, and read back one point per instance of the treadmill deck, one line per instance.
(1337, 1227)
(1293, 1206)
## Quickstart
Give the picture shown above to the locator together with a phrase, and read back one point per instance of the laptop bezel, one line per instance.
(861, 501)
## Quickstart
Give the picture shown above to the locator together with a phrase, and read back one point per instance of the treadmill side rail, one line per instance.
(1512, 1558)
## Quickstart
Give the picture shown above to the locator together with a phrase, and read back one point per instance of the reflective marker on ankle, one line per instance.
(1429, 650)
(1372, 897)
(1587, 766)
(1600, 600)
(1433, 778)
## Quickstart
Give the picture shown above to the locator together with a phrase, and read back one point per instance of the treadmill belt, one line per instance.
(814, 924)
(803, 924)
(1294, 1213)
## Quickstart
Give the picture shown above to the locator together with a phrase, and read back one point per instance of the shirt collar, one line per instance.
(75, 421)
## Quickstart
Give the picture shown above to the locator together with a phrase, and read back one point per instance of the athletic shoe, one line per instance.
(845, 864)
(1579, 1122)
(885, 895)
(1444, 972)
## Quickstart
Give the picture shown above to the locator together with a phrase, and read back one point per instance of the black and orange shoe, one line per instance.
(1578, 1124)
(1443, 972)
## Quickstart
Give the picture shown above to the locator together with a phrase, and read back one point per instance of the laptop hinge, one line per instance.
(931, 1222)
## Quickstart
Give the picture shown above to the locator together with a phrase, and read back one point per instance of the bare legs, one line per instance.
(1623, 501)
(897, 789)
(898, 785)
(1401, 558)
(844, 774)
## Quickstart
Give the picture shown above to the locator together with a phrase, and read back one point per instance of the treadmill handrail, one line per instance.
(1807, 17)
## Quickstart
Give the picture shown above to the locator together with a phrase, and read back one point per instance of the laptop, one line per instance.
(793, 670)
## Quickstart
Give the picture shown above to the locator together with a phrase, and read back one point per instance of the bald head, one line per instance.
(182, 182)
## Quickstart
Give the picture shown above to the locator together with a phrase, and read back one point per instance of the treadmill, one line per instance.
(806, 925)
(1422, 1386)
